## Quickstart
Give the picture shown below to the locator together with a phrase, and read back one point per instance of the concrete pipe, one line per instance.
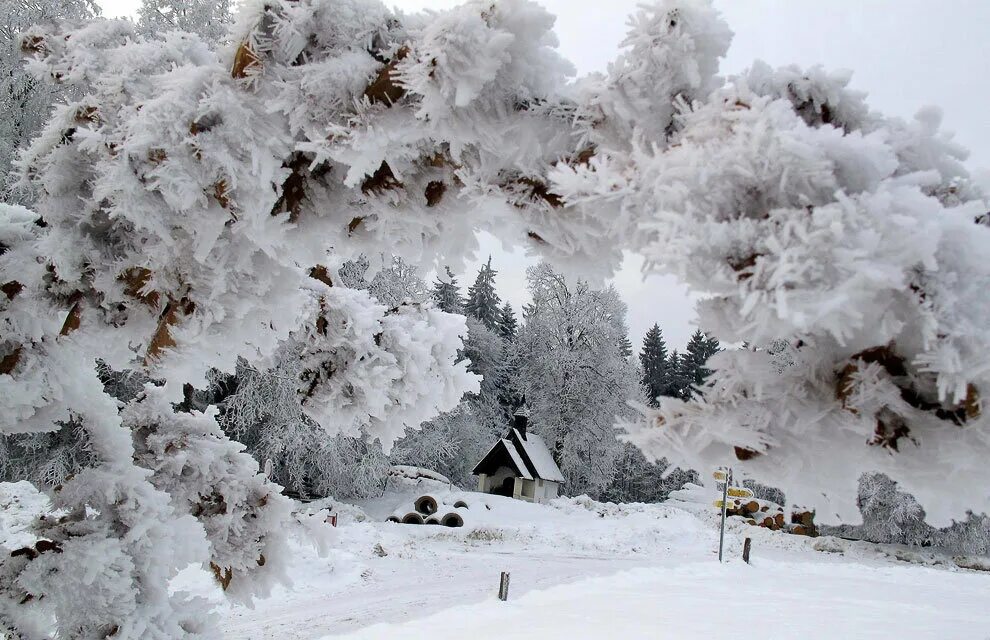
(452, 520)
(393, 519)
(434, 519)
(460, 504)
(412, 518)
(427, 505)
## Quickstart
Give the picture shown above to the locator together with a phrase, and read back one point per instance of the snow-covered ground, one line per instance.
(580, 569)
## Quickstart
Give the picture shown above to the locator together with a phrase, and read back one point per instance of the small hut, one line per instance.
(520, 465)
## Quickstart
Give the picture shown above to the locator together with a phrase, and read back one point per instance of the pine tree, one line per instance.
(447, 294)
(699, 349)
(655, 365)
(483, 302)
(676, 381)
(208, 18)
(507, 324)
(625, 346)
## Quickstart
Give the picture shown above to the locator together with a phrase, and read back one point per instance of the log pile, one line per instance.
(769, 515)
(759, 513)
(802, 522)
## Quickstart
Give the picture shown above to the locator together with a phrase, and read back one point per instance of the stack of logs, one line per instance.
(766, 514)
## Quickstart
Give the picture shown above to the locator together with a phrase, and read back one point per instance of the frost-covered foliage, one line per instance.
(451, 444)
(574, 377)
(208, 18)
(890, 515)
(26, 101)
(807, 218)
(46, 459)
(391, 285)
(195, 206)
(266, 415)
(640, 480)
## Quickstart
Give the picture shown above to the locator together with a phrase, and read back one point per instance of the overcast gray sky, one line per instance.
(905, 53)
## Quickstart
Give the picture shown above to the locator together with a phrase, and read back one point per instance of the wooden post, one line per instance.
(503, 587)
(746, 546)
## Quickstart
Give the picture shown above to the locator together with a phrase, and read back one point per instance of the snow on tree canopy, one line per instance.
(194, 206)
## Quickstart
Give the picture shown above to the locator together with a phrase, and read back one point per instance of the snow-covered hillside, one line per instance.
(582, 569)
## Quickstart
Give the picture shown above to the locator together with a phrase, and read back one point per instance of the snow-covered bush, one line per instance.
(890, 515)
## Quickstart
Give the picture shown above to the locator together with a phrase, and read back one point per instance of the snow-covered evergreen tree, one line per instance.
(691, 370)
(678, 376)
(483, 302)
(447, 295)
(574, 377)
(508, 326)
(27, 101)
(208, 18)
(654, 364)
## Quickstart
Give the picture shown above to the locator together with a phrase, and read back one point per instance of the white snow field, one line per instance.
(580, 569)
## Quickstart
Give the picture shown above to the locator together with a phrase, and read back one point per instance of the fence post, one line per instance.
(746, 546)
(503, 587)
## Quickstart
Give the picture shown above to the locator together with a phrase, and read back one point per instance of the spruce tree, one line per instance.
(675, 381)
(507, 324)
(483, 302)
(654, 364)
(447, 294)
(693, 368)
(625, 346)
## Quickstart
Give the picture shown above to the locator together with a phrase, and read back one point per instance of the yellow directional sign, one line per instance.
(719, 475)
(732, 504)
(740, 492)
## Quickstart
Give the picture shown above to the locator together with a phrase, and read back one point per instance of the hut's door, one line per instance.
(505, 489)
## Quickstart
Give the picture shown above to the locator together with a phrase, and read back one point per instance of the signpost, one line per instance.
(725, 477)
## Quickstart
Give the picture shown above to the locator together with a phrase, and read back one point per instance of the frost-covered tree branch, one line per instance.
(195, 208)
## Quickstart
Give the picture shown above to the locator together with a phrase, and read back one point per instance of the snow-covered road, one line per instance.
(585, 570)
(704, 600)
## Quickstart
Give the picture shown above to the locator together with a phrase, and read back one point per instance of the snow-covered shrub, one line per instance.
(890, 515)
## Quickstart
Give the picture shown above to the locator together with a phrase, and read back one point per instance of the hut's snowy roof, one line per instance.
(539, 456)
(490, 462)
(530, 457)
(517, 459)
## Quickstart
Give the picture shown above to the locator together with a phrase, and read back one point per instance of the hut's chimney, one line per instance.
(521, 420)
